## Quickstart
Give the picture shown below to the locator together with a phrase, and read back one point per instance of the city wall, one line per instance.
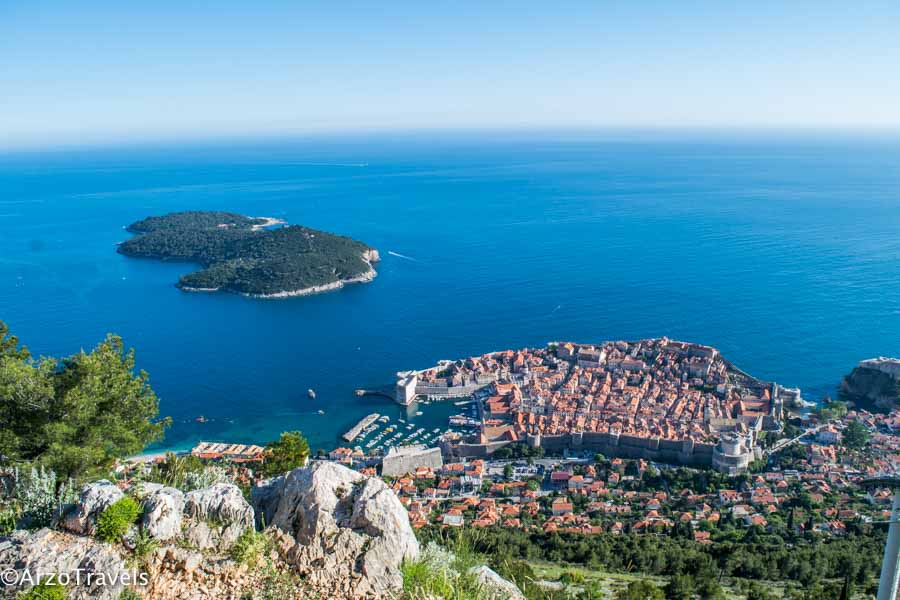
(686, 452)
(407, 461)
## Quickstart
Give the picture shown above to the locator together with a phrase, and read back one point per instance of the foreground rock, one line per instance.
(96, 568)
(494, 586)
(343, 534)
(163, 510)
(346, 534)
(216, 516)
(95, 497)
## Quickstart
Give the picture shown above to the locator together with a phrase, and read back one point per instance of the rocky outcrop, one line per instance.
(494, 586)
(874, 383)
(94, 570)
(345, 533)
(216, 516)
(163, 509)
(336, 534)
(95, 497)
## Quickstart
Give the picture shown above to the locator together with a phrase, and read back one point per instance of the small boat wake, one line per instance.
(403, 256)
(553, 312)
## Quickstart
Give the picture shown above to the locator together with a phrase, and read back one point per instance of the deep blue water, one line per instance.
(784, 252)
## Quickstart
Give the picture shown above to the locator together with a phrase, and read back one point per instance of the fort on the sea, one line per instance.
(657, 399)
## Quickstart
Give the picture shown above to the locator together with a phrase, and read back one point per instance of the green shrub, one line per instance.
(641, 590)
(115, 520)
(40, 498)
(572, 576)
(45, 591)
(129, 594)
(7, 521)
(144, 546)
(287, 453)
(249, 546)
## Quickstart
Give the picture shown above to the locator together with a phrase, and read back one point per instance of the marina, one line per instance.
(363, 423)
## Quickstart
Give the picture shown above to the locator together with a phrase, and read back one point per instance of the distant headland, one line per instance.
(242, 255)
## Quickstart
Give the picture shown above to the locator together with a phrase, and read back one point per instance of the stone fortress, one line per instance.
(888, 366)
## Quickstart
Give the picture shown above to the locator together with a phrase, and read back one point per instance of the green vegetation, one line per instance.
(249, 547)
(238, 257)
(680, 587)
(8, 521)
(442, 573)
(186, 473)
(808, 562)
(277, 583)
(285, 454)
(144, 546)
(855, 435)
(641, 590)
(831, 409)
(74, 415)
(45, 591)
(40, 498)
(116, 518)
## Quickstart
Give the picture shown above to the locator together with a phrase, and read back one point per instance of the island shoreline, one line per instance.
(210, 223)
(316, 289)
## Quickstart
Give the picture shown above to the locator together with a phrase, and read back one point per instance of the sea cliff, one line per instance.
(874, 382)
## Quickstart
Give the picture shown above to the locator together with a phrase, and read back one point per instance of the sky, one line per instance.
(94, 71)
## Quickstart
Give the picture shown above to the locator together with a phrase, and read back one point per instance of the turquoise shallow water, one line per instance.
(784, 252)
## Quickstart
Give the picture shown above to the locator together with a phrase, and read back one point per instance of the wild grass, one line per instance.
(249, 547)
(440, 572)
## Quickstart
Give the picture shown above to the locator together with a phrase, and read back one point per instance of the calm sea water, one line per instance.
(782, 252)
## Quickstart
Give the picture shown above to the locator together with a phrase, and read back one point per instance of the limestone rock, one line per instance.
(216, 516)
(94, 570)
(495, 586)
(163, 508)
(264, 498)
(345, 533)
(95, 497)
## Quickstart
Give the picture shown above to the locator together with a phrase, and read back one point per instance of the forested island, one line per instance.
(242, 255)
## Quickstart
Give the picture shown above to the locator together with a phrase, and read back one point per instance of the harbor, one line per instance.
(377, 434)
(356, 429)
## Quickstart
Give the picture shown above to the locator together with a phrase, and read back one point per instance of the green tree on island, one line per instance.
(285, 454)
(75, 415)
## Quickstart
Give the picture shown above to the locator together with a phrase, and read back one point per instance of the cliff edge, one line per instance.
(875, 382)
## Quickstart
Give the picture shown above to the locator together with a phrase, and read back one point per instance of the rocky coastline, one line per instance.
(874, 382)
(370, 256)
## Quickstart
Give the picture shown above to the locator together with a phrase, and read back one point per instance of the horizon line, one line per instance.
(137, 141)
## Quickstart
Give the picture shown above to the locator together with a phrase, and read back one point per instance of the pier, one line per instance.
(383, 392)
(363, 423)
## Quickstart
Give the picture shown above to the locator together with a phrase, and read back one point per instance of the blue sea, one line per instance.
(782, 250)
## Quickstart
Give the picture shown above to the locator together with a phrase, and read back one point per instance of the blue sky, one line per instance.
(91, 71)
